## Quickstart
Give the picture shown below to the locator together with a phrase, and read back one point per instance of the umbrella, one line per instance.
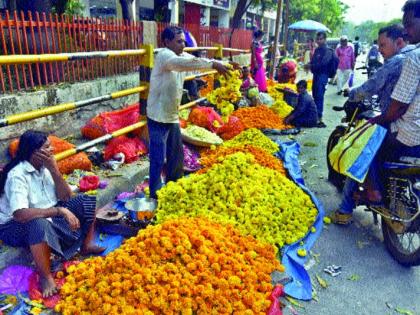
(308, 25)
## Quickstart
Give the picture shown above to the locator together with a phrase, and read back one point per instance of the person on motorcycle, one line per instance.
(374, 58)
(393, 47)
(403, 114)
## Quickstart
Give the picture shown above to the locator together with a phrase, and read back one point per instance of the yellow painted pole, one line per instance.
(244, 51)
(191, 104)
(65, 154)
(192, 77)
(56, 109)
(191, 49)
(21, 59)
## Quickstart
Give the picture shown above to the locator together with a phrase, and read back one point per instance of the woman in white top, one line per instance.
(37, 209)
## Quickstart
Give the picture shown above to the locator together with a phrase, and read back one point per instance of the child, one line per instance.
(249, 87)
(305, 113)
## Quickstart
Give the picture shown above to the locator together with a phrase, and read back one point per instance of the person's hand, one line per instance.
(220, 67)
(70, 218)
(45, 157)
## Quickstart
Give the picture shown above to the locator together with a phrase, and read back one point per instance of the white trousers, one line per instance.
(343, 77)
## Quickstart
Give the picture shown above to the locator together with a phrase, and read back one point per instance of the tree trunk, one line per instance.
(286, 25)
(127, 12)
(240, 10)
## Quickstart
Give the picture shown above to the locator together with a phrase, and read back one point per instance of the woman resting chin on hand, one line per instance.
(38, 211)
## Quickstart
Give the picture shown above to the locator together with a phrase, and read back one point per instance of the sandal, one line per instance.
(342, 218)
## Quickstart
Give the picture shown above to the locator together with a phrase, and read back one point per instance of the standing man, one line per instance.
(320, 67)
(345, 54)
(356, 46)
(166, 81)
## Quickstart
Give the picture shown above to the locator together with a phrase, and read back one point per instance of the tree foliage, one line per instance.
(367, 31)
(331, 13)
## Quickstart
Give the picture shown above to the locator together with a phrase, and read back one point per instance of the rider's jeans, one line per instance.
(347, 204)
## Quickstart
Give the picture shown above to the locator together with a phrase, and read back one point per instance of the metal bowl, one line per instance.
(140, 209)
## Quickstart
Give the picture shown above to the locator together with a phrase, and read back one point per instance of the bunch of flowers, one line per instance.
(281, 108)
(260, 117)
(258, 200)
(183, 266)
(227, 94)
(253, 137)
(262, 157)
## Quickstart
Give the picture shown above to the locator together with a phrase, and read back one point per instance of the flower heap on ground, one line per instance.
(227, 94)
(280, 107)
(253, 137)
(259, 201)
(183, 266)
(217, 155)
(260, 117)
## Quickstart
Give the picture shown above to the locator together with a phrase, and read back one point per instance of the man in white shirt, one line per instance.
(403, 114)
(166, 84)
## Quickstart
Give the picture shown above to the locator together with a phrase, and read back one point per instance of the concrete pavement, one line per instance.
(371, 282)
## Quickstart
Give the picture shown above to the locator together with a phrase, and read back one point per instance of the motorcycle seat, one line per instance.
(405, 165)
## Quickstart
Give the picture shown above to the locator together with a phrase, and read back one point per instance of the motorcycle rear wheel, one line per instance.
(404, 247)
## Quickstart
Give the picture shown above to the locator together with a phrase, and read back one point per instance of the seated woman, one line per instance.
(38, 211)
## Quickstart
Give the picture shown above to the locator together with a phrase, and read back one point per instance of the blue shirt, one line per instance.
(382, 83)
(305, 110)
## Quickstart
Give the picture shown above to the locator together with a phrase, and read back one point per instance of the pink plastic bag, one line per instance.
(275, 308)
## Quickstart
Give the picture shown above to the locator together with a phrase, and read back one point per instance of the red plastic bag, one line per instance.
(233, 127)
(108, 122)
(205, 117)
(87, 183)
(132, 148)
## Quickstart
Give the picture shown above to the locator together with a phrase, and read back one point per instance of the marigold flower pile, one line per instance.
(183, 266)
(262, 157)
(253, 137)
(227, 94)
(280, 107)
(260, 117)
(258, 200)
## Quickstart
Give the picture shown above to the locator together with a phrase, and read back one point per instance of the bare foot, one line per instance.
(92, 250)
(48, 286)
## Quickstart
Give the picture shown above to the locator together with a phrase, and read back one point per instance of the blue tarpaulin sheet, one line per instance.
(300, 287)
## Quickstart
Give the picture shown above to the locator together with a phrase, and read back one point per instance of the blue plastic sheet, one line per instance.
(300, 287)
(111, 241)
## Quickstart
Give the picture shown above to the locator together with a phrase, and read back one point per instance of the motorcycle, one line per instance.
(400, 212)
(370, 68)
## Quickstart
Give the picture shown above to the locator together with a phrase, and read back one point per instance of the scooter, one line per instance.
(400, 212)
